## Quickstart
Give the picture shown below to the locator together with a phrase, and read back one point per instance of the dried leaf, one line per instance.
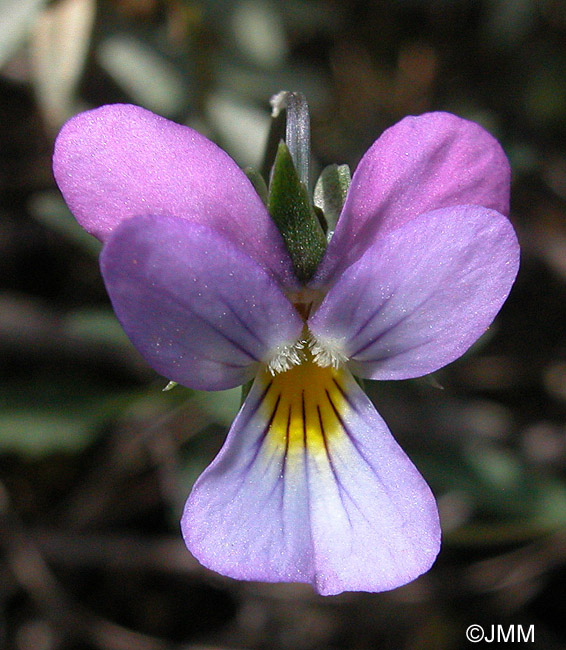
(16, 17)
(59, 46)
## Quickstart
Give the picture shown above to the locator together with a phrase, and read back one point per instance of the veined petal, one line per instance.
(421, 295)
(119, 161)
(310, 486)
(423, 163)
(198, 309)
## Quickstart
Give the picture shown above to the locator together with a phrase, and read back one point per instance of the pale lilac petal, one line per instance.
(199, 310)
(310, 486)
(421, 295)
(120, 161)
(423, 163)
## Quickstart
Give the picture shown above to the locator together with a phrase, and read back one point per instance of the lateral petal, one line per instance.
(310, 486)
(421, 295)
(120, 161)
(198, 309)
(436, 160)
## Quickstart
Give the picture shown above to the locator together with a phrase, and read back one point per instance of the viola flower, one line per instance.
(310, 485)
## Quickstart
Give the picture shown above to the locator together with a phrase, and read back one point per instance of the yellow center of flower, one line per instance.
(304, 407)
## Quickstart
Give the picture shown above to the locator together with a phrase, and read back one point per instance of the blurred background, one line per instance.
(96, 461)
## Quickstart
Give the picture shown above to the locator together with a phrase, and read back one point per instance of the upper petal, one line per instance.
(200, 311)
(423, 163)
(421, 295)
(311, 487)
(119, 161)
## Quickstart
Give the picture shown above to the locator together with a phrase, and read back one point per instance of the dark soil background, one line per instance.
(96, 461)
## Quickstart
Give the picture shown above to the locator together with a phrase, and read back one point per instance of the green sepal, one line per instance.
(245, 390)
(330, 192)
(169, 386)
(257, 180)
(292, 212)
(361, 383)
(321, 219)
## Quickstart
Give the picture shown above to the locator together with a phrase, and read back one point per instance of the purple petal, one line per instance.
(421, 295)
(120, 161)
(198, 309)
(310, 486)
(423, 163)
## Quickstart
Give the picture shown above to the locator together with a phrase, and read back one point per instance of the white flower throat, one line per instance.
(307, 348)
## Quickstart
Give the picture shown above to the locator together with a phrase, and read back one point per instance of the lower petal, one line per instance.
(310, 486)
